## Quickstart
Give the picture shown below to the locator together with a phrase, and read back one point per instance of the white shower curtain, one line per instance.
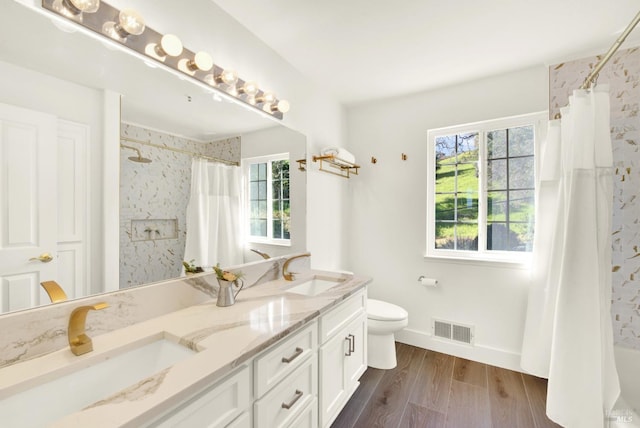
(568, 334)
(213, 215)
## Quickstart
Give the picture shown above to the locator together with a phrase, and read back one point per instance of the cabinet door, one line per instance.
(333, 390)
(356, 361)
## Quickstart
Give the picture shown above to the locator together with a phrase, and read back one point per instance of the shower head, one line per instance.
(138, 158)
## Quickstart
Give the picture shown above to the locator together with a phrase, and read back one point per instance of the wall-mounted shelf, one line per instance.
(154, 229)
(344, 168)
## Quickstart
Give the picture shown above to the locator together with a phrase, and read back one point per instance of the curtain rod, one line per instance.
(591, 78)
(186, 152)
(612, 50)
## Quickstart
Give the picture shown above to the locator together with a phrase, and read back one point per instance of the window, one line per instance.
(481, 189)
(268, 207)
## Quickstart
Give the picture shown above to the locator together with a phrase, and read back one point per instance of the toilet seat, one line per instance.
(385, 311)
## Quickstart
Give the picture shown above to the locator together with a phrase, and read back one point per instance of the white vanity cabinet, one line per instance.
(302, 381)
(342, 356)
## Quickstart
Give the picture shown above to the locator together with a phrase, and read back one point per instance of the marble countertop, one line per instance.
(224, 338)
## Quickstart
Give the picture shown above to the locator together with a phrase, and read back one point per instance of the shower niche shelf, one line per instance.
(154, 229)
(337, 166)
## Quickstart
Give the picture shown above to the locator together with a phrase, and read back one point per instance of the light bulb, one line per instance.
(130, 22)
(87, 6)
(250, 88)
(201, 61)
(282, 106)
(230, 77)
(169, 45)
(74, 8)
(267, 98)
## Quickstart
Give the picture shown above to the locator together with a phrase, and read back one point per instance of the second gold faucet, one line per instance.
(79, 342)
(289, 275)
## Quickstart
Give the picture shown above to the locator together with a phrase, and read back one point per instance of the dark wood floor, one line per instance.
(429, 389)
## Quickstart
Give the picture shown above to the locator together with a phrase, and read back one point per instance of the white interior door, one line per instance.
(28, 206)
(73, 181)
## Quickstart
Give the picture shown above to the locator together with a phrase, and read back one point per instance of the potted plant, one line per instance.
(226, 281)
(190, 268)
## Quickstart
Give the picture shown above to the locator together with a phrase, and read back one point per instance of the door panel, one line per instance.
(73, 237)
(28, 205)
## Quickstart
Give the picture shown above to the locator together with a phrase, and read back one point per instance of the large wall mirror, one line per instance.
(64, 97)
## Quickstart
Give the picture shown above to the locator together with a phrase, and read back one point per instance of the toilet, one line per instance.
(383, 320)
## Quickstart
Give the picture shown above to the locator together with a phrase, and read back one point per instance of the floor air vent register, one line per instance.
(453, 332)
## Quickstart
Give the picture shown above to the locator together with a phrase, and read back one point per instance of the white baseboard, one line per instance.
(482, 354)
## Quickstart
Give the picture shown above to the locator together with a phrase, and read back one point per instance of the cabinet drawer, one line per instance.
(215, 406)
(338, 318)
(273, 366)
(296, 392)
(308, 418)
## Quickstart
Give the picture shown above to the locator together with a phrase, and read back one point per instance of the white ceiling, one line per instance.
(362, 50)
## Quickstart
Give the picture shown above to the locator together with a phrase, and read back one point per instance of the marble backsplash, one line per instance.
(35, 332)
(622, 74)
(153, 202)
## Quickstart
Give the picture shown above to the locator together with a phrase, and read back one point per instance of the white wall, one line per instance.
(274, 141)
(387, 208)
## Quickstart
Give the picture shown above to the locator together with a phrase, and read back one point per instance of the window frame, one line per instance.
(538, 120)
(246, 171)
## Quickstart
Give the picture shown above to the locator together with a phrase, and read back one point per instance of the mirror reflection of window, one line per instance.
(267, 203)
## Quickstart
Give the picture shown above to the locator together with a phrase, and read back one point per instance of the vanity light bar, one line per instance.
(108, 22)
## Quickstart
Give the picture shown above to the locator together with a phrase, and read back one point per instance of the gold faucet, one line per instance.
(261, 254)
(289, 275)
(55, 292)
(79, 342)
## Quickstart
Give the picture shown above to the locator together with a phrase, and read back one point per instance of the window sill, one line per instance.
(269, 242)
(524, 264)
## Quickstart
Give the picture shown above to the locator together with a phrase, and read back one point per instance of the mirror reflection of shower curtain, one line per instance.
(568, 333)
(213, 215)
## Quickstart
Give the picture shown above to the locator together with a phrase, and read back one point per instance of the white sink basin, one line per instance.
(315, 286)
(71, 392)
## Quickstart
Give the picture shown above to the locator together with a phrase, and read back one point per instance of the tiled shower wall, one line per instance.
(158, 193)
(622, 73)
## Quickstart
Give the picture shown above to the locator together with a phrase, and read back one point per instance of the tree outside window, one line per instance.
(268, 201)
(482, 188)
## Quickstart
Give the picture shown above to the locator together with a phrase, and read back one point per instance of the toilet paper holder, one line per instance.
(429, 282)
